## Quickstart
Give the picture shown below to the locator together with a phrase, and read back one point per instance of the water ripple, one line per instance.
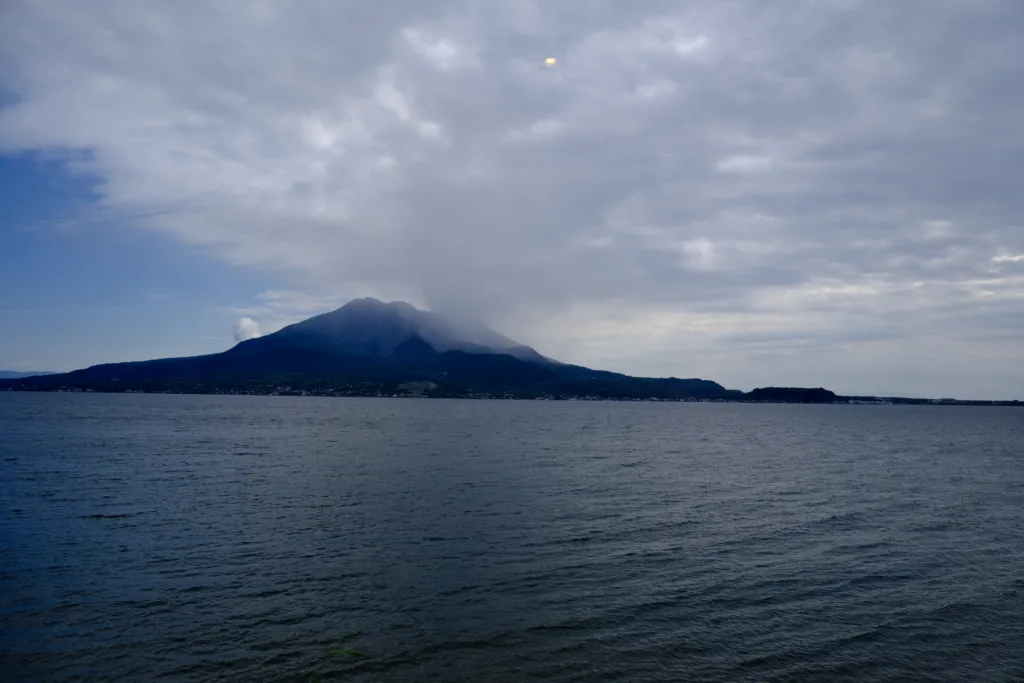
(180, 538)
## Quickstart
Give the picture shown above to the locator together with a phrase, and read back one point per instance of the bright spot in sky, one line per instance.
(550, 61)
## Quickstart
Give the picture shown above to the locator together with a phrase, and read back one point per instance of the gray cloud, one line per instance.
(693, 186)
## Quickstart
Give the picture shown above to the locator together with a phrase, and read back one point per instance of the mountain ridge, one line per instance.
(18, 374)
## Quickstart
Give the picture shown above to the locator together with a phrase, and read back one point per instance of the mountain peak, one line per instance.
(369, 326)
(369, 303)
(364, 302)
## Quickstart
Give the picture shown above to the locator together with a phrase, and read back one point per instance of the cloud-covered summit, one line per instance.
(822, 192)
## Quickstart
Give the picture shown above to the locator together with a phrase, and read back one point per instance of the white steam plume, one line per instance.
(246, 328)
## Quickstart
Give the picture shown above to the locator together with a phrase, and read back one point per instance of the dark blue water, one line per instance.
(179, 538)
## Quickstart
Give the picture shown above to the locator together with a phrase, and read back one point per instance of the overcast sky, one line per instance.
(811, 192)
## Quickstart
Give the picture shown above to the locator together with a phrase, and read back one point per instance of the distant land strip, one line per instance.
(368, 390)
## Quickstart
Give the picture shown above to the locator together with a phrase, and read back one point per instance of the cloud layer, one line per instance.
(818, 192)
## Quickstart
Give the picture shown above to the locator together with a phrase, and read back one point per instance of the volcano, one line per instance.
(369, 347)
